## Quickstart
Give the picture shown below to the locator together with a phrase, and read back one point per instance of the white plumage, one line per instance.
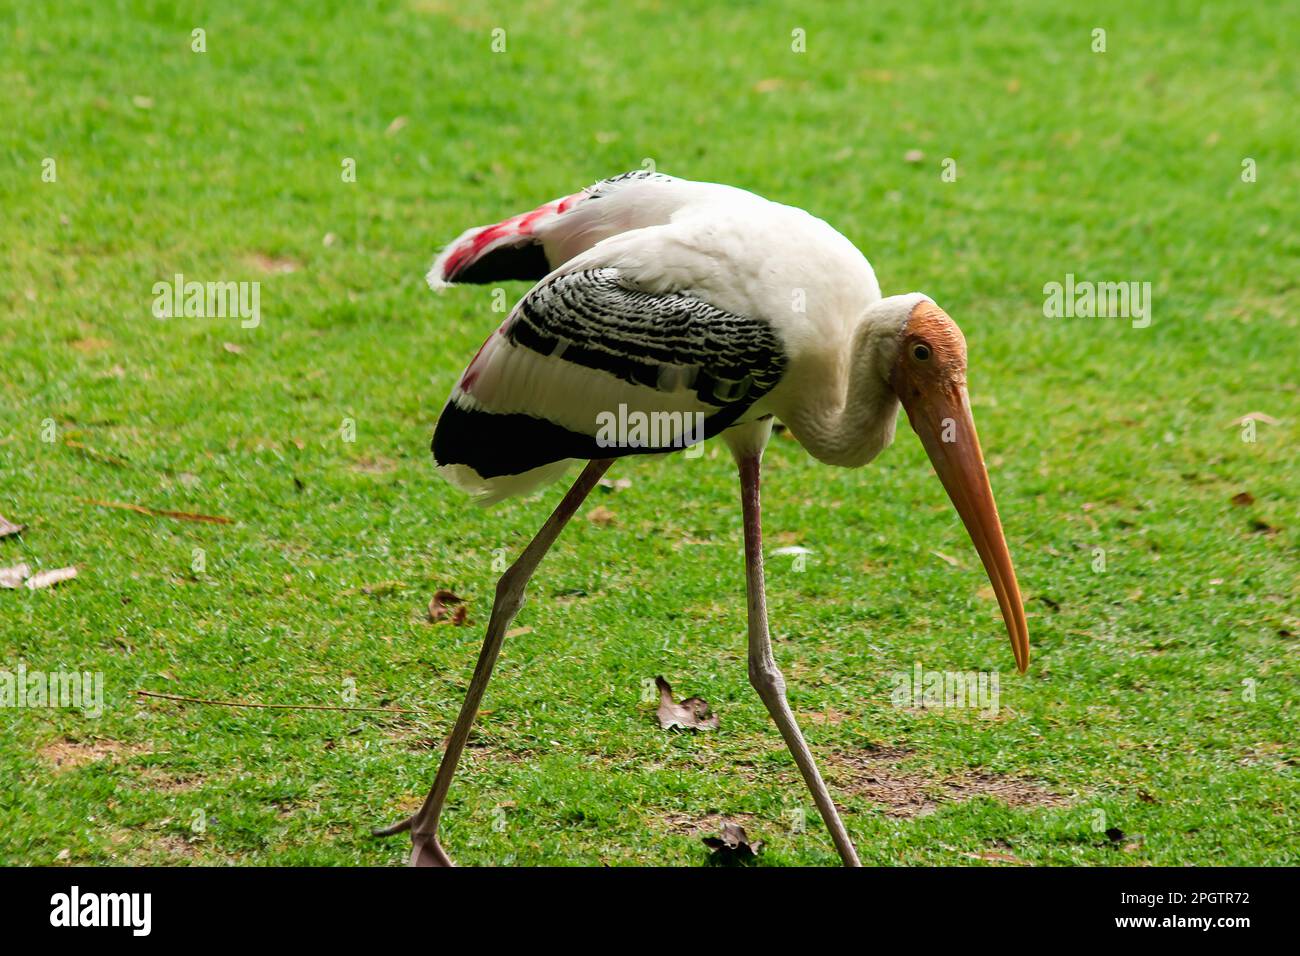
(757, 261)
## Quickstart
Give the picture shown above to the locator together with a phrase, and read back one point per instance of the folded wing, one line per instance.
(531, 244)
(590, 365)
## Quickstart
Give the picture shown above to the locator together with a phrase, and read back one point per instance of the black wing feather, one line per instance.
(598, 320)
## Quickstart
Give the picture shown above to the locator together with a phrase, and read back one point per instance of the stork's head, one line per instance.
(928, 374)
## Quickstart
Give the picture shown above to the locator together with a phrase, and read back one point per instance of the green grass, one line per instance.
(1123, 165)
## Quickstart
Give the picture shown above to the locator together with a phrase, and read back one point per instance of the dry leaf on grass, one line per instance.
(1243, 498)
(47, 579)
(273, 264)
(690, 714)
(733, 845)
(13, 576)
(7, 527)
(447, 606)
(1253, 417)
(601, 515)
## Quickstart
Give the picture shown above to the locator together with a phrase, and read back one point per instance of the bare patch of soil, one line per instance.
(875, 774)
(162, 780)
(709, 824)
(66, 754)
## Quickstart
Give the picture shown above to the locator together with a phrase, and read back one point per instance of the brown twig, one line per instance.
(245, 703)
(156, 513)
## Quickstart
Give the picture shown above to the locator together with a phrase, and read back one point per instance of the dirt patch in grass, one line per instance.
(374, 465)
(90, 344)
(997, 853)
(708, 825)
(274, 264)
(478, 752)
(875, 775)
(66, 754)
(173, 846)
(485, 753)
(1012, 791)
(163, 781)
(828, 716)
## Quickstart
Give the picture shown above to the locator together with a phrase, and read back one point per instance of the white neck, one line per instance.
(844, 411)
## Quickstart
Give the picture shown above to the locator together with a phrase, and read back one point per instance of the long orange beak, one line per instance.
(943, 421)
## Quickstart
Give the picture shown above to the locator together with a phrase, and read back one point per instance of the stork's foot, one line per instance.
(427, 851)
(425, 848)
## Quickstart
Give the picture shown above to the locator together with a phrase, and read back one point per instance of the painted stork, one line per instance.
(661, 296)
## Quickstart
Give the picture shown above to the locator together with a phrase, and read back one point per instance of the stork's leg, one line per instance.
(763, 672)
(423, 826)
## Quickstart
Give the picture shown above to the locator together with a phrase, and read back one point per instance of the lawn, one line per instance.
(1158, 722)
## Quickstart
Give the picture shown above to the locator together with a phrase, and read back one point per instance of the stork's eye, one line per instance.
(921, 352)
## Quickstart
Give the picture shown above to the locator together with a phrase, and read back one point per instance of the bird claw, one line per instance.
(425, 848)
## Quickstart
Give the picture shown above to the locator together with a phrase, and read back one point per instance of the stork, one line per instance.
(676, 298)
